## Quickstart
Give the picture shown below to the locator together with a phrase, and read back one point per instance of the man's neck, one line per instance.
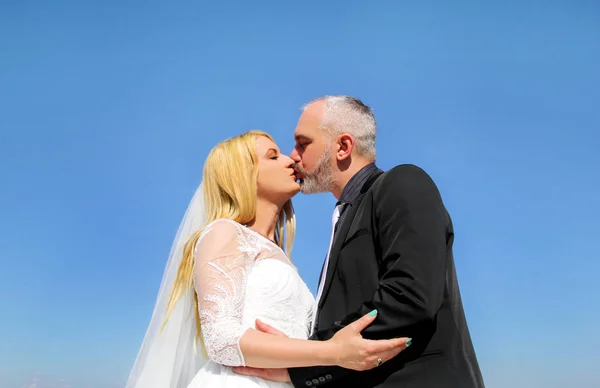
(344, 176)
(266, 218)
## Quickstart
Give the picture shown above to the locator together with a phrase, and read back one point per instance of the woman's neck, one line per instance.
(266, 219)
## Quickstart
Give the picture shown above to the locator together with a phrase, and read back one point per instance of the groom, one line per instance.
(391, 250)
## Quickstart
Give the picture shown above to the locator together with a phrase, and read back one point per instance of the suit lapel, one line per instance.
(341, 234)
(336, 246)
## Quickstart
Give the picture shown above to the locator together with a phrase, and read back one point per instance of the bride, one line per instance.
(228, 267)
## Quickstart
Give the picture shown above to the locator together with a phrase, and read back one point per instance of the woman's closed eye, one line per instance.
(272, 154)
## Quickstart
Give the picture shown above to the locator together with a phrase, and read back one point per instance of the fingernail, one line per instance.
(373, 313)
(409, 342)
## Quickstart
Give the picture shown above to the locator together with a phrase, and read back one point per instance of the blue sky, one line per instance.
(108, 111)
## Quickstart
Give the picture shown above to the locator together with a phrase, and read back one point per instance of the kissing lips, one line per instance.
(298, 176)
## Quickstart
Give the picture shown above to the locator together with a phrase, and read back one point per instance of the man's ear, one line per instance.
(345, 143)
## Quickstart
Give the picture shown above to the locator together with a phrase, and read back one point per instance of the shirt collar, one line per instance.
(353, 187)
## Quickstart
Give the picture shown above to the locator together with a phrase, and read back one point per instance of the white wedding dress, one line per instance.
(241, 276)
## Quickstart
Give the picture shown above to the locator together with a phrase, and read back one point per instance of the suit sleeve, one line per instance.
(411, 223)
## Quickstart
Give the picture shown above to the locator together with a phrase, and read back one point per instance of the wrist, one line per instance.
(328, 352)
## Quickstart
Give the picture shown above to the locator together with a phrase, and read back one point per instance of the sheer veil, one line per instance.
(170, 356)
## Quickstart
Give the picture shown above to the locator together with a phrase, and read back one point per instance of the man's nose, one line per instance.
(295, 155)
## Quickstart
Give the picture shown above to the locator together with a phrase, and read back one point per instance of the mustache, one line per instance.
(298, 168)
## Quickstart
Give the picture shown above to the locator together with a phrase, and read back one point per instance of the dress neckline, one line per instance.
(263, 237)
(257, 234)
(289, 261)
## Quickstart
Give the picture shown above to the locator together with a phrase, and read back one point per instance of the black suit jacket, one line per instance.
(393, 252)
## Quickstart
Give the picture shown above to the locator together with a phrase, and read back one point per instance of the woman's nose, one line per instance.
(289, 161)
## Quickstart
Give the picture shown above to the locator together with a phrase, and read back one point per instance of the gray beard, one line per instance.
(320, 180)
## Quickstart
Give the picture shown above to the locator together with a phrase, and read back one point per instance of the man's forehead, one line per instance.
(313, 113)
(309, 123)
(307, 130)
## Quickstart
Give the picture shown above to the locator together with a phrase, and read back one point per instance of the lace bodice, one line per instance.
(240, 276)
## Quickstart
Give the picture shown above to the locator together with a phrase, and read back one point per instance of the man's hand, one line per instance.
(279, 375)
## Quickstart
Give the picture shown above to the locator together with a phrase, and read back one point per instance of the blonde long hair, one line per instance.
(230, 191)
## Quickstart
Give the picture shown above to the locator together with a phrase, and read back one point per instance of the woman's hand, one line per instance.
(351, 351)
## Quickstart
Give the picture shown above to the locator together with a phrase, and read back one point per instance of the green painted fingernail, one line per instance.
(373, 313)
(409, 342)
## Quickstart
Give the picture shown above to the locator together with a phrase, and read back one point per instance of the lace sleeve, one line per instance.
(220, 282)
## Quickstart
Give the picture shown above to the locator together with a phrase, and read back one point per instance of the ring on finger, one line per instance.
(379, 361)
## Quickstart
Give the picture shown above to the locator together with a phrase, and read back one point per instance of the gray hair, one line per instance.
(346, 114)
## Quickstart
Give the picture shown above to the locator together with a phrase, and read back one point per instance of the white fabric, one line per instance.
(334, 219)
(241, 276)
(168, 357)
